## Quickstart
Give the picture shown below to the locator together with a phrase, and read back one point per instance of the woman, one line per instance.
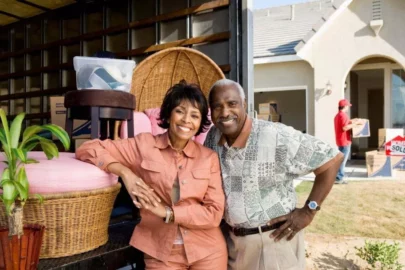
(180, 198)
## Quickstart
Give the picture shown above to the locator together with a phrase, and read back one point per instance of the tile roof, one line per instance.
(276, 34)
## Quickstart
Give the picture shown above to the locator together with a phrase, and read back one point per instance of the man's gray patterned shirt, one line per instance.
(258, 179)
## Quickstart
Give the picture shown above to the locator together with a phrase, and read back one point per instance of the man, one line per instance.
(259, 161)
(343, 126)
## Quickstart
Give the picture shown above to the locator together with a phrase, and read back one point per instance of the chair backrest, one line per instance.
(157, 73)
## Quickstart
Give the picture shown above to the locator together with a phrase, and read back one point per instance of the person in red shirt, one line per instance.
(343, 126)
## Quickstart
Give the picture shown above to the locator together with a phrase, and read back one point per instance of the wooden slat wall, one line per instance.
(57, 69)
(132, 25)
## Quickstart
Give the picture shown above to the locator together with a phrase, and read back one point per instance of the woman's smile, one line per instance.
(184, 123)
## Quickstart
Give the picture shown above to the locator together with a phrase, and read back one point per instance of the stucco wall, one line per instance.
(288, 74)
(344, 42)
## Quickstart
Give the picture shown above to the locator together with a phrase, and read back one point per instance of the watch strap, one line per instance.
(317, 208)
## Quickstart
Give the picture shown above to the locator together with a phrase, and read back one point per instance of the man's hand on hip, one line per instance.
(294, 222)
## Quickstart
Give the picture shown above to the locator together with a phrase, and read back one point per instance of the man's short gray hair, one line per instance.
(227, 82)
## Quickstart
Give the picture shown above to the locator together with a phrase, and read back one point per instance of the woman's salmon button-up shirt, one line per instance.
(201, 204)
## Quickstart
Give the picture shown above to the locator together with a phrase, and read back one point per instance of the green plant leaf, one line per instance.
(30, 131)
(40, 198)
(49, 148)
(3, 181)
(5, 126)
(380, 252)
(33, 141)
(22, 178)
(30, 145)
(22, 191)
(20, 154)
(7, 204)
(3, 138)
(60, 133)
(9, 191)
(31, 160)
(6, 174)
(15, 129)
(4, 143)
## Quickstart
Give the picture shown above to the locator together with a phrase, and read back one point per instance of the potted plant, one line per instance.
(21, 242)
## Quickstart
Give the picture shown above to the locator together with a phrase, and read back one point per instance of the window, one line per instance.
(18, 38)
(34, 34)
(117, 13)
(52, 30)
(69, 52)
(4, 67)
(34, 60)
(4, 42)
(69, 79)
(92, 46)
(117, 43)
(94, 20)
(51, 80)
(19, 64)
(17, 105)
(3, 92)
(34, 83)
(52, 57)
(71, 27)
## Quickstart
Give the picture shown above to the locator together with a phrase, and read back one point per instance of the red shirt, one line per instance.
(343, 138)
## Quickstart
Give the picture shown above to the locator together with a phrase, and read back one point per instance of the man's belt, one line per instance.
(248, 231)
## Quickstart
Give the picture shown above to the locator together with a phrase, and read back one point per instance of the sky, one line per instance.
(258, 4)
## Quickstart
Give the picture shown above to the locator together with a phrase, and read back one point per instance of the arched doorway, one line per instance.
(376, 88)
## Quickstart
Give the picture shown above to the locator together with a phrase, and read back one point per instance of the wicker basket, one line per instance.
(157, 73)
(75, 222)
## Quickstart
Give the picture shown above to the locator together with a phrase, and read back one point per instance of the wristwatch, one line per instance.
(313, 205)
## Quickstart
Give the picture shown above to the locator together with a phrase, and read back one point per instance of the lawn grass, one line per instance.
(374, 209)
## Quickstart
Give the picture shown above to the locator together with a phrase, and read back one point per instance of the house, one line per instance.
(309, 56)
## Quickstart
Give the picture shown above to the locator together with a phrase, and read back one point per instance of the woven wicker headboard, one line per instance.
(157, 73)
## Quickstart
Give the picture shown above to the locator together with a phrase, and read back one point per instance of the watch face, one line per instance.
(312, 205)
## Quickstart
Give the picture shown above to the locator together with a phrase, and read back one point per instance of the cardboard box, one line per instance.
(378, 164)
(275, 117)
(81, 128)
(399, 175)
(387, 134)
(398, 166)
(268, 108)
(381, 165)
(362, 130)
(265, 117)
(269, 117)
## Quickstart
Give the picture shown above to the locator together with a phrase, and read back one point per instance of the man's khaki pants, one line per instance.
(260, 252)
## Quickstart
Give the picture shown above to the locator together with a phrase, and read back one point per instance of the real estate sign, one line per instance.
(395, 147)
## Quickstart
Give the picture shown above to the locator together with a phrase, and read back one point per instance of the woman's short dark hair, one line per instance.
(341, 108)
(178, 93)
